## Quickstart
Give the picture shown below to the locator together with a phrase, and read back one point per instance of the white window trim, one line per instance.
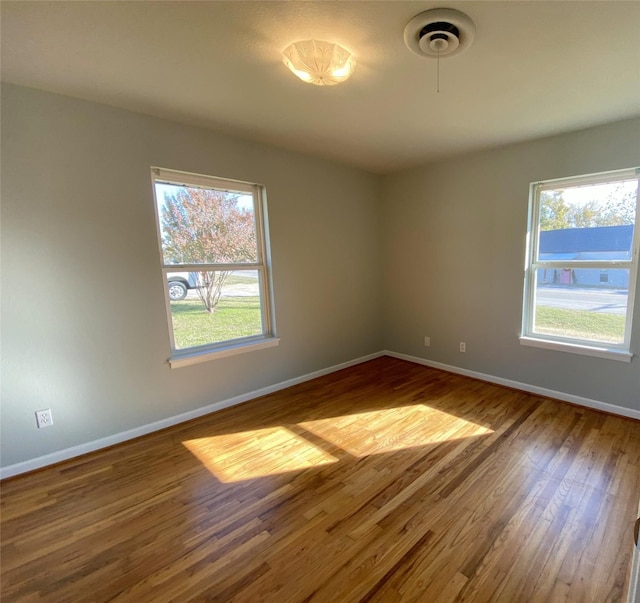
(577, 348)
(621, 352)
(194, 355)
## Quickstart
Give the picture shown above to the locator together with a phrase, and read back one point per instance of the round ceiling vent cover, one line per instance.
(438, 33)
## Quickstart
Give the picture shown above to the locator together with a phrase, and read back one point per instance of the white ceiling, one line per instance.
(535, 69)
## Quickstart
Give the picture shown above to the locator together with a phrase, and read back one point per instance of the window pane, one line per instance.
(217, 306)
(589, 222)
(578, 303)
(206, 226)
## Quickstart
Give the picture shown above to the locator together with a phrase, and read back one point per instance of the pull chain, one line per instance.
(438, 72)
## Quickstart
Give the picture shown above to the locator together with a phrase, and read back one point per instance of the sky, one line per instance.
(579, 195)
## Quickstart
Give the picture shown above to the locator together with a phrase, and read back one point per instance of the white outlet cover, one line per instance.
(44, 418)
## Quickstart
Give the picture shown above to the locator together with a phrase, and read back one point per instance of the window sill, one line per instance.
(187, 358)
(598, 352)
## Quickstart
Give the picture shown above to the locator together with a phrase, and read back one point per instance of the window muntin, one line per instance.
(213, 252)
(582, 261)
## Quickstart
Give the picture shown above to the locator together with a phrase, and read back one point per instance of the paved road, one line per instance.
(237, 289)
(609, 302)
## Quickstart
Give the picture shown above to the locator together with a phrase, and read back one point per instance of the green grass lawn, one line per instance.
(580, 323)
(234, 317)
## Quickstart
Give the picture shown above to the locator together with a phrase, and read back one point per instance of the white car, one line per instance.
(179, 284)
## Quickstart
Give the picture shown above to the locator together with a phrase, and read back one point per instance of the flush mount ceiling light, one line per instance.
(439, 33)
(320, 63)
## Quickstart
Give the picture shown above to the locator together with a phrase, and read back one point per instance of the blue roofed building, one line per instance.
(595, 244)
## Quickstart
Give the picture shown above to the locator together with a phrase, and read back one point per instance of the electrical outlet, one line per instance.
(427, 341)
(44, 418)
(463, 346)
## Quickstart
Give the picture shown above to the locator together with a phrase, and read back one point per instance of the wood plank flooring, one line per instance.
(383, 482)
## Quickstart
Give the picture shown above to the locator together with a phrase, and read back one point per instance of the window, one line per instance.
(582, 263)
(214, 258)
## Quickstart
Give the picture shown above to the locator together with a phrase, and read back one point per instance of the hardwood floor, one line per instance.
(384, 482)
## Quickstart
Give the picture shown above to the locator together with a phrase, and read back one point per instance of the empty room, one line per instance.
(320, 301)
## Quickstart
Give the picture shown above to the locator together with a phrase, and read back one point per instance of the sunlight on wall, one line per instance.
(393, 429)
(249, 454)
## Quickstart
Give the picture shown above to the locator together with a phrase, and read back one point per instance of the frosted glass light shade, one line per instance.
(319, 63)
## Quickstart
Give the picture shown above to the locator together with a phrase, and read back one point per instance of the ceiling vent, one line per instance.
(439, 33)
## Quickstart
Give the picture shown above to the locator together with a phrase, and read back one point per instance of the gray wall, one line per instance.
(84, 328)
(453, 257)
(360, 264)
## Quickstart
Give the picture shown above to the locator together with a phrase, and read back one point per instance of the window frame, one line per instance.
(616, 351)
(195, 354)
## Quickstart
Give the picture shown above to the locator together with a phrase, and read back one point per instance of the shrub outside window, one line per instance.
(214, 260)
(582, 262)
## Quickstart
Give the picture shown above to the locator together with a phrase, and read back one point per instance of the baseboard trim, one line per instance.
(75, 451)
(532, 389)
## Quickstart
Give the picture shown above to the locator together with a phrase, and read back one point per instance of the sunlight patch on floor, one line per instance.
(250, 454)
(273, 450)
(393, 429)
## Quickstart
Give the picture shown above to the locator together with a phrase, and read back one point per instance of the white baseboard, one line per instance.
(532, 389)
(74, 451)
